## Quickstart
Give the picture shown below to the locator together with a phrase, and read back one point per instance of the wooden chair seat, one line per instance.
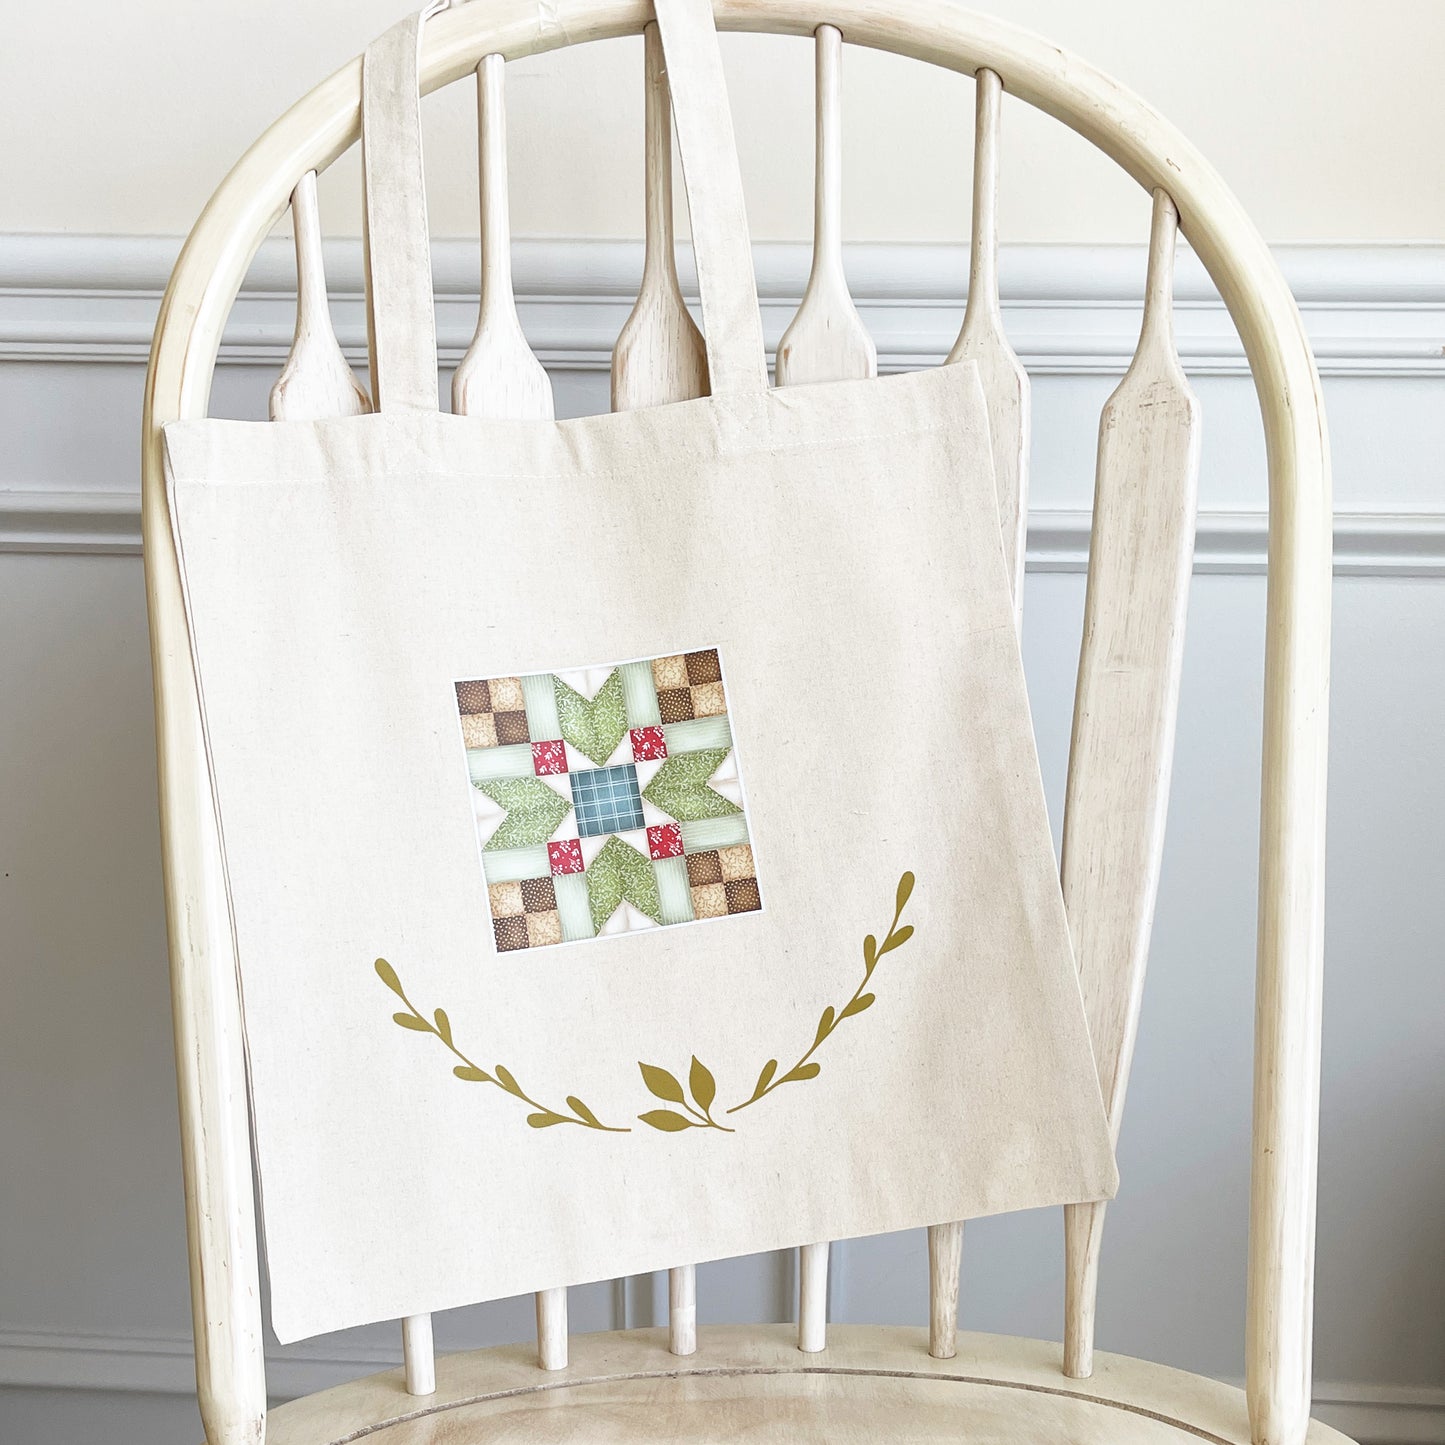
(753, 1384)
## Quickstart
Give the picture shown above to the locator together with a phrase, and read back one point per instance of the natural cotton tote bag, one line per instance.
(634, 833)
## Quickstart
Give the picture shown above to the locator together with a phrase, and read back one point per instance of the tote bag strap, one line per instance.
(400, 309)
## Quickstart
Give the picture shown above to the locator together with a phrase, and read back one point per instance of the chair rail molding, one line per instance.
(1374, 311)
(1371, 310)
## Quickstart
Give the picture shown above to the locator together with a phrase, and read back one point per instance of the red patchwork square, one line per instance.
(665, 841)
(648, 744)
(566, 856)
(549, 757)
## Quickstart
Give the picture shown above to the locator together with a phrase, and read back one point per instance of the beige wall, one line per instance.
(120, 118)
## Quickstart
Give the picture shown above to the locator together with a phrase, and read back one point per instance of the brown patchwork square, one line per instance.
(735, 862)
(473, 697)
(675, 704)
(511, 933)
(703, 667)
(742, 895)
(669, 672)
(710, 901)
(543, 928)
(704, 868)
(538, 895)
(511, 727)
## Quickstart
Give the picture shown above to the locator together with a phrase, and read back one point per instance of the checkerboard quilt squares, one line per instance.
(524, 914)
(612, 796)
(689, 685)
(493, 712)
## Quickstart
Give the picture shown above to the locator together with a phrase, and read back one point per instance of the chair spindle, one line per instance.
(659, 357)
(317, 380)
(1139, 568)
(498, 376)
(982, 338)
(418, 1355)
(1006, 390)
(813, 1298)
(826, 340)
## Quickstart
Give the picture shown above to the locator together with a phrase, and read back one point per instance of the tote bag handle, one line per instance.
(400, 309)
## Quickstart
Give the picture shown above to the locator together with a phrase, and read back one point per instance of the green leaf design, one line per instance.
(864, 1000)
(765, 1078)
(870, 953)
(661, 1084)
(533, 811)
(680, 787)
(387, 974)
(825, 1025)
(667, 1121)
(702, 1084)
(472, 1074)
(803, 1071)
(444, 1027)
(410, 1021)
(545, 1120)
(619, 871)
(505, 1079)
(596, 727)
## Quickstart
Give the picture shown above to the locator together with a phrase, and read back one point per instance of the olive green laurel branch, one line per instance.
(542, 1118)
(695, 1112)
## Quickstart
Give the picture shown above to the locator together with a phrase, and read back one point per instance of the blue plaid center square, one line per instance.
(607, 800)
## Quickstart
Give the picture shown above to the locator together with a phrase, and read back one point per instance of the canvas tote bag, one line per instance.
(634, 834)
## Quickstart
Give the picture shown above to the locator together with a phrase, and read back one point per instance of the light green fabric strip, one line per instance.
(701, 732)
(513, 761)
(641, 694)
(714, 833)
(574, 908)
(540, 700)
(508, 865)
(673, 890)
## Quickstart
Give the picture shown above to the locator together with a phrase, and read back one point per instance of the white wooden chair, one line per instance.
(853, 1383)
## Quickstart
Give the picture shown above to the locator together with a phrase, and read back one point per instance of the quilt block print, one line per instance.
(607, 800)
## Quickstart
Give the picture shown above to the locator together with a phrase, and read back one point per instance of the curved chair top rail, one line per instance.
(203, 287)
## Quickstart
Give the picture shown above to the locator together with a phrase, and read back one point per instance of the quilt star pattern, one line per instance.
(607, 800)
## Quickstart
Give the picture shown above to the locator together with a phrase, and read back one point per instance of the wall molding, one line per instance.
(1367, 544)
(1375, 1414)
(1371, 310)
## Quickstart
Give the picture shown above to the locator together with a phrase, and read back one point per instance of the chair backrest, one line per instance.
(1129, 665)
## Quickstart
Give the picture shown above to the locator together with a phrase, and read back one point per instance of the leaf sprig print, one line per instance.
(665, 1086)
(542, 1117)
(805, 1069)
(692, 1104)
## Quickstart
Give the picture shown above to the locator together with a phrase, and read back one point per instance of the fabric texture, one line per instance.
(843, 1002)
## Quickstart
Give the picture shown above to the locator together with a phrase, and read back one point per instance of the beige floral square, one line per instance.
(708, 700)
(737, 862)
(506, 694)
(543, 928)
(710, 901)
(479, 730)
(669, 672)
(506, 898)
